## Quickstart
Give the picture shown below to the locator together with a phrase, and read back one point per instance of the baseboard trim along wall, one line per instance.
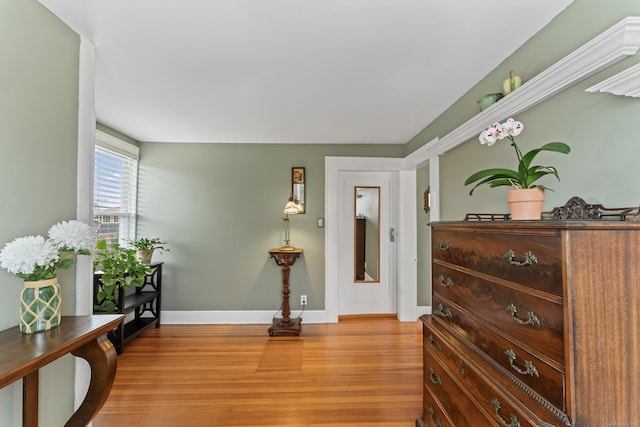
(247, 317)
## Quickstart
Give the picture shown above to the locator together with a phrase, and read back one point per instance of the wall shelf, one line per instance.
(625, 83)
(613, 45)
(142, 307)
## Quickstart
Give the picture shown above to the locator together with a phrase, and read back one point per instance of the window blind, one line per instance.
(114, 190)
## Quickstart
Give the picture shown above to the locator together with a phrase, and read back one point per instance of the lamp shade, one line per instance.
(291, 208)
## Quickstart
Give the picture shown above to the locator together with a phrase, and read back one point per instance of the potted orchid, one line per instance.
(37, 260)
(527, 175)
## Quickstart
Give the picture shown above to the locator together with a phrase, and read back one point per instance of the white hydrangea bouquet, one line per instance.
(34, 258)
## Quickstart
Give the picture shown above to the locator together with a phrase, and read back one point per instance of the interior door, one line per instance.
(366, 281)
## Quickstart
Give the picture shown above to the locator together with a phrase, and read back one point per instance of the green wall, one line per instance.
(220, 208)
(38, 172)
(424, 240)
(600, 128)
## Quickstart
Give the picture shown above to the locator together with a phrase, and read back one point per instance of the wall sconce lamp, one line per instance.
(427, 199)
(291, 208)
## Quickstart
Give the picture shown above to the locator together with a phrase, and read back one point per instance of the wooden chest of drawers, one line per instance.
(535, 323)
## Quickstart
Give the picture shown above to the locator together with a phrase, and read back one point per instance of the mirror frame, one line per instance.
(355, 232)
(298, 191)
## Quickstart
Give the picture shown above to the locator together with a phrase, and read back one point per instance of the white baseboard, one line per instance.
(237, 317)
(247, 317)
(425, 309)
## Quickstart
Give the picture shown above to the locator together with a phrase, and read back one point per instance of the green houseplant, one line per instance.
(523, 178)
(119, 268)
(146, 246)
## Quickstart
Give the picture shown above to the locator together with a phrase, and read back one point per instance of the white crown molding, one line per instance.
(613, 45)
(625, 83)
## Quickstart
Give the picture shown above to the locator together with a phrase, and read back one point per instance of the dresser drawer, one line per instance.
(486, 391)
(544, 379)
(534, 261)
(529, 318)
(434, 415)
(459, 406)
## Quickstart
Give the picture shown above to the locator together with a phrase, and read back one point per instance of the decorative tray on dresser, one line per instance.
(535, 323)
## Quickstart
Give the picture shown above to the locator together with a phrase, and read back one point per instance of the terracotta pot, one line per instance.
(525, 204)
(145, 255)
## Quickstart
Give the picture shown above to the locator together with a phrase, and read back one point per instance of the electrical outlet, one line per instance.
(303, 300)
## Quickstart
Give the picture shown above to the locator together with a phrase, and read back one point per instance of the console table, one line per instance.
(285, 259)
(22, 355)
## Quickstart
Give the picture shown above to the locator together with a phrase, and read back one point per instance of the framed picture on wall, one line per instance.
(297, 186)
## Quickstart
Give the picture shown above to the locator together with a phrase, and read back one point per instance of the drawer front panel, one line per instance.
(433, 414)
(529, 369)
(534, 261)
(535, 321)
(460, 408)
(494, 402)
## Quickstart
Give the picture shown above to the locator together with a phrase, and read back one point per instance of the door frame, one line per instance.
(406, 235)
(386, 181)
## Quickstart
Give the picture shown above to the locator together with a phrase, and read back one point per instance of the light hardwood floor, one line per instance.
(362, 371)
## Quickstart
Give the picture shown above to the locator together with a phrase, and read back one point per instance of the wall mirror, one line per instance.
(297, 187)
(367, 234)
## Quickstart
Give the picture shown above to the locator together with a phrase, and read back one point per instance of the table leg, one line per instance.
(30, 400)
(102, 359)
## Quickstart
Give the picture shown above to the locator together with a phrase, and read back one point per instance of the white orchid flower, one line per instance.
(513, 127)
(491, 135)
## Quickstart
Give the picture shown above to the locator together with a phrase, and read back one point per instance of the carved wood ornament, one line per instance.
(576, 208)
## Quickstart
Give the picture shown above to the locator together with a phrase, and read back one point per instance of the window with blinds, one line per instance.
(114, 189)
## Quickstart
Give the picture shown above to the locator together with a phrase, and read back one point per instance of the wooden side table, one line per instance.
(285, 259)
(21, 356)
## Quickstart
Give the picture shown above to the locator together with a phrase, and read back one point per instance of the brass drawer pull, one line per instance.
(434, 344)
(445, 311)
(435, 422)
(529, 258)
(434, 378)
(514, 420)
(529, 369)
(444, 246)
(445, 282)
(532, 319)
(462, 367)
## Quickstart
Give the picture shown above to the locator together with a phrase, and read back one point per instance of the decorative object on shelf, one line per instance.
(525, 203)
(291, 208)
(145, 247)
(298, 192)
(40, 306)
(120, 268)
(526, 175)
(512, 83)
(37, 260)
(488, 100)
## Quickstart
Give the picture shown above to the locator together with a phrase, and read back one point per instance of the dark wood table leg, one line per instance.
(30, 400)
(103, 360)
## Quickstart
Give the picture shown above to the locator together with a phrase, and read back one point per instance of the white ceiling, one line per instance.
(292, 71)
